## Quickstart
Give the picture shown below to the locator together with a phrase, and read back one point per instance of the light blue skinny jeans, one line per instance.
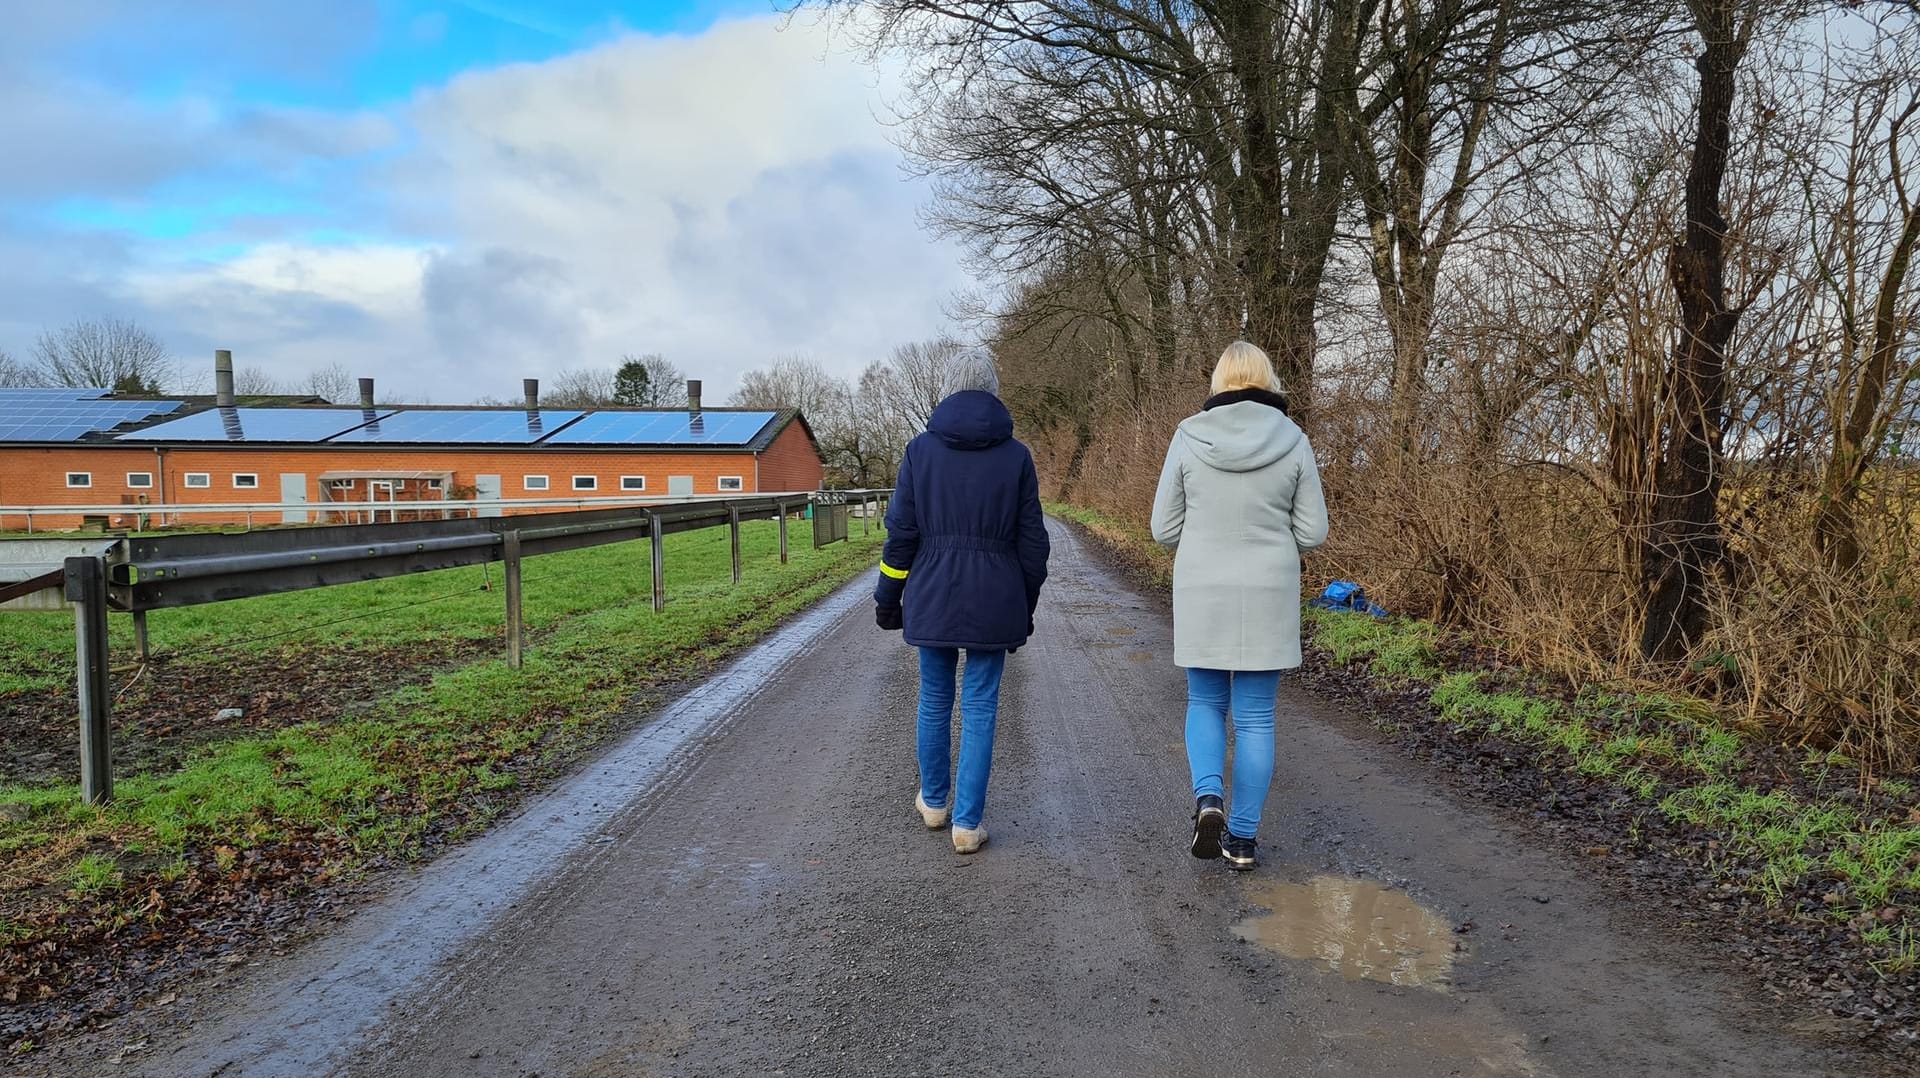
(979, 711)
(1250, 694)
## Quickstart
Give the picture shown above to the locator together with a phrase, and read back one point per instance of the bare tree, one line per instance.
(1684, 542)
(914, 380)
(255, 382)
(14, 373)
(789, 382)
(103, 353)
(334, 383)
(581, 387)
(1134, 132)
(1864, 257)
(666, 382)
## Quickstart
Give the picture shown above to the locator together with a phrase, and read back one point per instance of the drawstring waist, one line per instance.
(968, 542)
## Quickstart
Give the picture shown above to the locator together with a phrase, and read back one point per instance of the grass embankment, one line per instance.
(1125, 541)
(1782, 826)
(274, 813)
(1776, 832)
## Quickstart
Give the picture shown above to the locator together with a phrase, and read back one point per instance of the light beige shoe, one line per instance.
(935, 818)
(969, 840)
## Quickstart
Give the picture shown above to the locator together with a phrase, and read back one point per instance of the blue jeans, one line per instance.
(979, 710)
(1251, 694)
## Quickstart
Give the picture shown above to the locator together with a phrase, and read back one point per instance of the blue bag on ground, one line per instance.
(1346, 595)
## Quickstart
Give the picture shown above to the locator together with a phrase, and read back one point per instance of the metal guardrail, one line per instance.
(31, 569)
(142, 573)
(461, 507)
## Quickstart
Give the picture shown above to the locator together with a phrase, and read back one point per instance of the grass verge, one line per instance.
(259, 820)
(1126, 541)
(1774, 835)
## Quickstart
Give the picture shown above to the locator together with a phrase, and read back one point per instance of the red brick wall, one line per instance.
(37, 476)
(791, 462)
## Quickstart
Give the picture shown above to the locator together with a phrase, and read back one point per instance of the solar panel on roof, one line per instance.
(664, 428)
(46, 418)
(43, 392)
(456, 425)
(257, 425)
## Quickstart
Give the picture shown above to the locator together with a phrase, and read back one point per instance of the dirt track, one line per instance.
(749, 892)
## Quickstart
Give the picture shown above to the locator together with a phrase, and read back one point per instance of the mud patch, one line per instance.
(1121, 632)
(1355, 928)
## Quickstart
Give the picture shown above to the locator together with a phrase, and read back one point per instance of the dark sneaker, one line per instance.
(1209, 822)
(1237, 852)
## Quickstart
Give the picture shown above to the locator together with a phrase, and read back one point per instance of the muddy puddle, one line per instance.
(1355, 928)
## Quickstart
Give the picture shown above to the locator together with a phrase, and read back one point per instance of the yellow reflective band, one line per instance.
(897, 574)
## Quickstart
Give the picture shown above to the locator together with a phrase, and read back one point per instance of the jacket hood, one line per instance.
(1241, 437)
(972, 419)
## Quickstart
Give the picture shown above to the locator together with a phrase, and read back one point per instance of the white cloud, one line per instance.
(722, 198)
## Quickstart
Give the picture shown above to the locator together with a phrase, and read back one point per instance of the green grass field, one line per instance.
(439, 756)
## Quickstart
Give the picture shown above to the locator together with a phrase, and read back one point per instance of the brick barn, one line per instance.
(88, 448)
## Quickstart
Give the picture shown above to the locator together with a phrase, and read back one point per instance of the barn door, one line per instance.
(486, 488)
(293, 491)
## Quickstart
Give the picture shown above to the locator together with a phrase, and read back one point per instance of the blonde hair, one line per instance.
(1244, 366)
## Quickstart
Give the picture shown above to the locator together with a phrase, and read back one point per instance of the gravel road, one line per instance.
(744, 889)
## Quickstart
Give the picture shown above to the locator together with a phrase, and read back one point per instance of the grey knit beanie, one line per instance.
(973, 369)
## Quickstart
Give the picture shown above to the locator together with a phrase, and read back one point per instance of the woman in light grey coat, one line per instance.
(1239, 500)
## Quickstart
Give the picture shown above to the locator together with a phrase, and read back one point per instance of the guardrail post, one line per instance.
(510, 558)
(87, 590)
(782, 507)
(733, 530)
(658, 543)
(140, 647)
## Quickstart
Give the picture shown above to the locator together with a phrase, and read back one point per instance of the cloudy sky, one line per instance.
(451, 195)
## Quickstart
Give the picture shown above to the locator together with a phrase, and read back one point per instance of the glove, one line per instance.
(887, 617)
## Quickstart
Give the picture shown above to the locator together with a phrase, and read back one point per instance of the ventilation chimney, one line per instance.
(223, 377)
(366, 393)
(531, 386)
(693, 395)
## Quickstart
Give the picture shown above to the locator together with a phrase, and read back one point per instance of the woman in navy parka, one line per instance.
(965, 557)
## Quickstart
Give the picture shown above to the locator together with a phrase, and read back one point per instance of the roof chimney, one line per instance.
(223, 377)
(366, 392)
(531, 386)
(693, 395)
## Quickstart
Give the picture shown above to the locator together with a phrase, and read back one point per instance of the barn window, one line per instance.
(586, 482)
(198, 480)
(633, 482)
(139, 479)
(533, 482)
(732, 482)
(246, 480)
(79, 479)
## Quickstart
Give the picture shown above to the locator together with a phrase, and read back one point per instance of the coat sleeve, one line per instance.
(1309, 505)
(1170, 500)
(903, 538)
(1034, 547)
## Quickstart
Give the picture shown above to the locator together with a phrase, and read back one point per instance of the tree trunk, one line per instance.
(1858, 439)
(1684, 543)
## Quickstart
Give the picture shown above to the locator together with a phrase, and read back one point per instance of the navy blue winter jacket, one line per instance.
(966, 545)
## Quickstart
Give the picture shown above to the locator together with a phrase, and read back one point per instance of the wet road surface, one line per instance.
(744, 888)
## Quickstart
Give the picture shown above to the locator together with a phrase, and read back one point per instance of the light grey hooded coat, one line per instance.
(1239, 499)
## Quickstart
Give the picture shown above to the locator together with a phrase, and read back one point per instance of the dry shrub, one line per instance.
(1121, 466)
(1826, 657)
(1529, 555)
